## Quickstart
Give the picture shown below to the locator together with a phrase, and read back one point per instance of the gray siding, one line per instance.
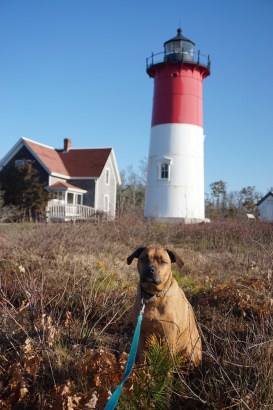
(89, 186)
(104, 189)
(266, 209)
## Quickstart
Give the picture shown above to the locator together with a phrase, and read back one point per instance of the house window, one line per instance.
(106, 203)
(58, 195)
(70, 198)
(107, 176)
(79, 199)
(20, 163)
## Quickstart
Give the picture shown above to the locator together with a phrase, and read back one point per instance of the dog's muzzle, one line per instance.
(151, 275)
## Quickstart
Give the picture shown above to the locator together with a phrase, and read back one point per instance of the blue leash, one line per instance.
(113, 401)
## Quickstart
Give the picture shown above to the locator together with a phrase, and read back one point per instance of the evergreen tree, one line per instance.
(22, 188)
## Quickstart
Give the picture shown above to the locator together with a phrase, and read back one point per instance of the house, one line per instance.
(81, 181)
(265, 207)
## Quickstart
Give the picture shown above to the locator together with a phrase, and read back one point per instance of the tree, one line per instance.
(231, 204)
(217, 206)
(249, 198)
(23, 189)
(8, 213)
(131, 192)
(219, 191)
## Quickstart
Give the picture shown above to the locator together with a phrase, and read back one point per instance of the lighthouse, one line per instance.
(175, 181)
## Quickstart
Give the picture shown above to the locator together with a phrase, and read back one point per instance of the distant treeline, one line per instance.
(219, 202)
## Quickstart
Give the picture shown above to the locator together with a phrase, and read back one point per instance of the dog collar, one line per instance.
(148, 297)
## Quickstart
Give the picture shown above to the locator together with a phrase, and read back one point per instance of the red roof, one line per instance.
(74, 162)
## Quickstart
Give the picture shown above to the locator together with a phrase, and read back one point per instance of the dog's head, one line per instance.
(154, 264)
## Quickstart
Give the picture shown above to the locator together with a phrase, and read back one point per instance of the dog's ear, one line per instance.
(135, 254)
(175, 258)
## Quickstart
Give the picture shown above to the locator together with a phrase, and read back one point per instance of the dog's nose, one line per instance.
(151, 270)
(151, 275)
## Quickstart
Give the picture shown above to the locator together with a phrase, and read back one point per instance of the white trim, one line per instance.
(107, 176)
(88, 148)
(96, 194)
(64, 189)
(10, 154)
(18, 146)
(115, 166)
(106, 201)
(13, 151)
(55, 174)
(113, 206)
(38, 143)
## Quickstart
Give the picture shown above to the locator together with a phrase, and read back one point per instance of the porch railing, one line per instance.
(70, 212)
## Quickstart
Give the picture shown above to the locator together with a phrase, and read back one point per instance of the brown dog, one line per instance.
(168, 314)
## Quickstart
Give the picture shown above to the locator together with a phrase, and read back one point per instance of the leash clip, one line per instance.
(142, 308)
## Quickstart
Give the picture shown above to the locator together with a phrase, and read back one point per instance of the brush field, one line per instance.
(66, 294)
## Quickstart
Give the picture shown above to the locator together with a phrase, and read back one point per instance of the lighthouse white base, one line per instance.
(179, 197)
(186, 221)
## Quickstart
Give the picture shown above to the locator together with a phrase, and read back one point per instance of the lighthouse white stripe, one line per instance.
(182, 195)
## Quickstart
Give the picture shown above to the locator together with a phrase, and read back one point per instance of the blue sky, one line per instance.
(76, 68)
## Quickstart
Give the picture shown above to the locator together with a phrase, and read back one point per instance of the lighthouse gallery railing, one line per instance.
(178, 56)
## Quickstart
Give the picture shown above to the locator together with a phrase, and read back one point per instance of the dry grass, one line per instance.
(65, 299)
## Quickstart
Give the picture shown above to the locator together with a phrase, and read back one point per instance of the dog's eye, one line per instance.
(144, 259)
(162, 262)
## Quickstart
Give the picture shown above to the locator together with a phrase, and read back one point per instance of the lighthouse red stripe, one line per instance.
(177, 94)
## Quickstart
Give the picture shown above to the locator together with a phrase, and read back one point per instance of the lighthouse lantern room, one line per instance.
(175, 182)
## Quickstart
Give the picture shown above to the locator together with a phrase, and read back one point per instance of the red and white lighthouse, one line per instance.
(175, 184)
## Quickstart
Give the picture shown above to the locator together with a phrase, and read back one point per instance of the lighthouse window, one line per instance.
(164, 169)
(164, 174)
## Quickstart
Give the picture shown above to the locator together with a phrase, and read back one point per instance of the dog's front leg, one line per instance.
(140, 350)
(170, 331)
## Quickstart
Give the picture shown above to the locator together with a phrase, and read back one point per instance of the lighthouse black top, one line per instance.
(179, 48)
